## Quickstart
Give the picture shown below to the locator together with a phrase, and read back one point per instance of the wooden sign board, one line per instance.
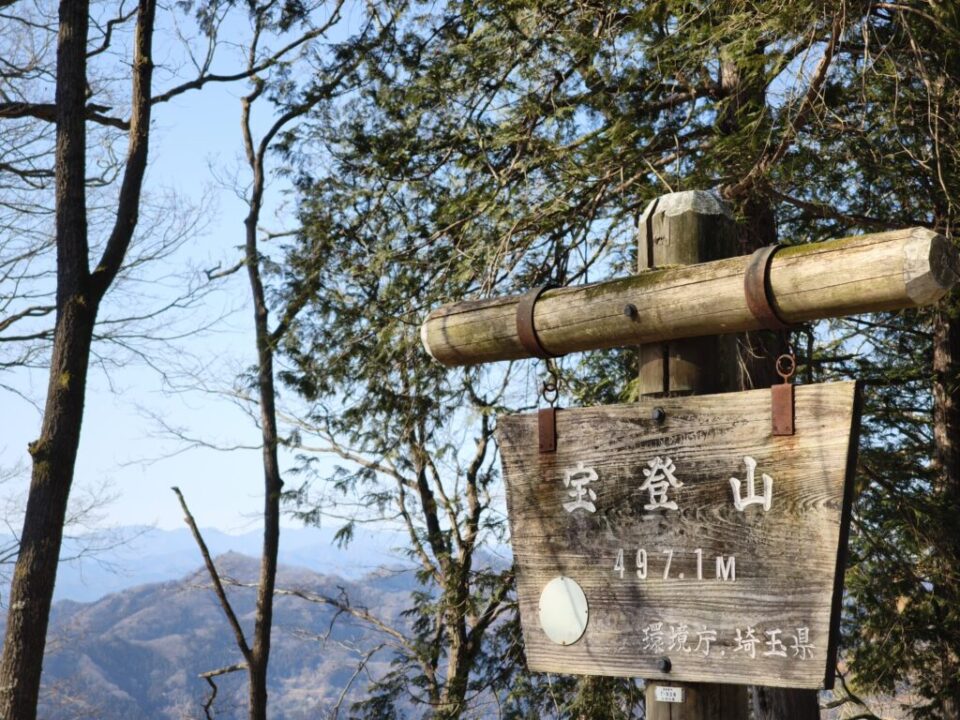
(698, 548)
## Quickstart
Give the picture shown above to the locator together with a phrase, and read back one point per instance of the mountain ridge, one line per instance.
(136, 555)
(138, 653)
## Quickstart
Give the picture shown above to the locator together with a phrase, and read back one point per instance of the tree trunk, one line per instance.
(946, 437)
(272, 481)
(78, 298)
(54, 453)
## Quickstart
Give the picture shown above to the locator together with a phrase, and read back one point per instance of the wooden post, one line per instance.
(785, 704)
(701, 702)
(686, 228)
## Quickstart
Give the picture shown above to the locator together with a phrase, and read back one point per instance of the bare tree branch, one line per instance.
(216, 273)
(128, 203)
(209, 676)
(47, 112)
(215, 578)
(342, 605)
(829, 212)
(223, 671)
(205, 77)
(108, 32)
(33, 312)
(361, 666)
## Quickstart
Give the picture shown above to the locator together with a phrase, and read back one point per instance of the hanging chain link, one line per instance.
(550, 390)
(786, 365)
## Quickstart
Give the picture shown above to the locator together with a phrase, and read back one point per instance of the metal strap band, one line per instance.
(756, 289)
(525, 330)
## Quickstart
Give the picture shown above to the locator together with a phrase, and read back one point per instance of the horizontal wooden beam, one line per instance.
(867, 273)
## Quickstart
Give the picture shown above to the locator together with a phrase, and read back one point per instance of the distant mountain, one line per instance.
(150, 555)
(137, 654)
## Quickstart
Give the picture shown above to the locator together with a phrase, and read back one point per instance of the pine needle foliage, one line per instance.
(493, 146)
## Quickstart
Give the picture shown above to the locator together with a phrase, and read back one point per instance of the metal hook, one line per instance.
(550, 390)
(787, 365)
(547, 417)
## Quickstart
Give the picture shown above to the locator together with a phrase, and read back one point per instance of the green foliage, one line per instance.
(887, 156)
(490, 146)
(894, 562)
(902, 622)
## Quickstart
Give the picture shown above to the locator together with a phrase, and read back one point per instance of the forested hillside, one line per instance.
(139, 653)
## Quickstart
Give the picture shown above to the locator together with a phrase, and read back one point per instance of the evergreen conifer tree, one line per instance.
(499, 145)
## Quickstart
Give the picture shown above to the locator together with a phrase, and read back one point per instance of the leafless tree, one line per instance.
(330, 80)
(52, 117)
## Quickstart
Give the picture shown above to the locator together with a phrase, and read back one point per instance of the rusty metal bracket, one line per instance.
(526, 332)
(547, 417)
(781, 397)
(782, 409)
(547, 429)
(756, 289)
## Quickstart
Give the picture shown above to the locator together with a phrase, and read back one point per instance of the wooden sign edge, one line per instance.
(836, 607)
(842, 550)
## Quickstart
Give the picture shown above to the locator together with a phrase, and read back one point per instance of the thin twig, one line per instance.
(215, 578)
(360, 667)
(209, 676)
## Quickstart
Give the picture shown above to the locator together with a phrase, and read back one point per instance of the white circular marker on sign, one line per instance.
(563, 610)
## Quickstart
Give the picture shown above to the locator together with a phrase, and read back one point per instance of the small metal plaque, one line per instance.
(563, 611)
(664, 693)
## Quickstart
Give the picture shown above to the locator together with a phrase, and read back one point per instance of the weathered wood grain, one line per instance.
(685, 228)
(786, 558)
(883, 271)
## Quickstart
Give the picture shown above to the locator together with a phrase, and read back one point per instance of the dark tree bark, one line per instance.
(55, 452)
(273, 483)
(257, 652)
(258, 657)
(784, 703)
(79, 293)
(946, 437)
(746, 93)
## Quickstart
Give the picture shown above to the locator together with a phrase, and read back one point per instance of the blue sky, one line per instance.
(121, 443)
